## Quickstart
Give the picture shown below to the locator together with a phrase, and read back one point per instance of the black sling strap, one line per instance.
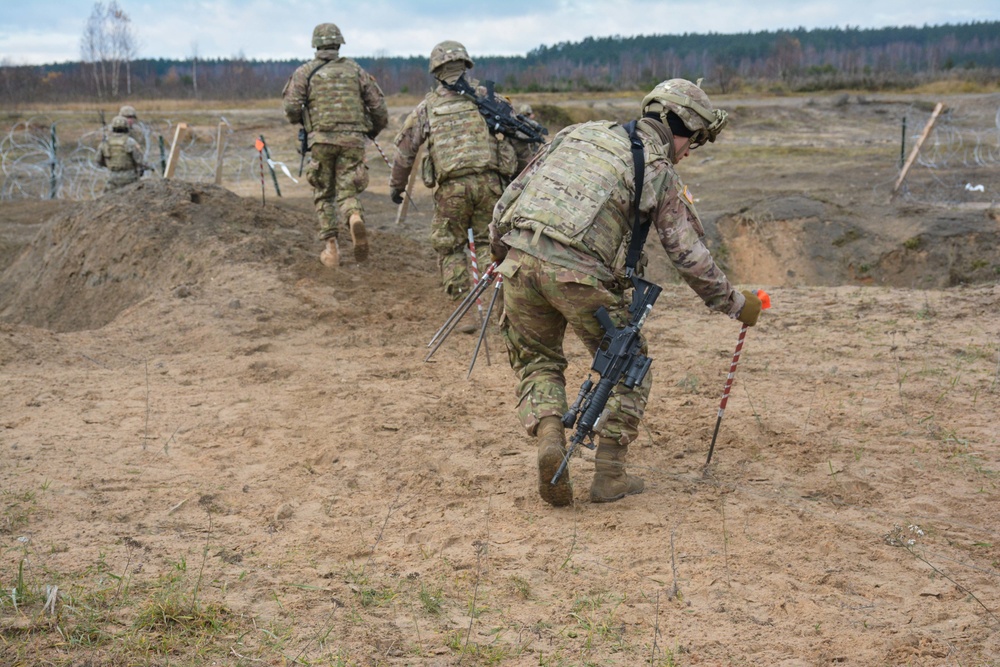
(309, 78)
(639, 231)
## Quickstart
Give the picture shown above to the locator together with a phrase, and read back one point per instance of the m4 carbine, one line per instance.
(303, 147)
(499, 114)
(619, 358)
(303, 132)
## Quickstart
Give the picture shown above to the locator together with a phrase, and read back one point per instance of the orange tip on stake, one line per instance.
(260, 145)
(765, 299)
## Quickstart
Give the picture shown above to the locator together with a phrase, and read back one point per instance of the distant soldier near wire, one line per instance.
(121, 155)
(338, 104)
(128, 113)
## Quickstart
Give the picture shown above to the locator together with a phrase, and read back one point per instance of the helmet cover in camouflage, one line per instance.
(446, 52)
(525, 110)
(327, 36)
(119, 124)
(691, 105)
(127, 111)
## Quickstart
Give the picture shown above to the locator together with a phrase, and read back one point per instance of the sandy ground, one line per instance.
(221, 452)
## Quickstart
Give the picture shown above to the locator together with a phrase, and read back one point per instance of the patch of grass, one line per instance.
(520, 587)
(599, 626)
(18, 507)
(913, 243)
(477, 654)
(431, 600)
(689, 383)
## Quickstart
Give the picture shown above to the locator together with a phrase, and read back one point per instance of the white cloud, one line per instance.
(49, 30)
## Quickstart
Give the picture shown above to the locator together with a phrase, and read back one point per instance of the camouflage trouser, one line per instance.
(119, 179)
(540, 299)
(337, 174)
(461, 203)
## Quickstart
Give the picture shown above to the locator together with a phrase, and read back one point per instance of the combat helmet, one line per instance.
(691, 105)
(119, 124)
(327, 36)
(447, 51)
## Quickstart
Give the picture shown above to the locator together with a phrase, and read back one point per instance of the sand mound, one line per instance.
(802, 241)
(90, 262)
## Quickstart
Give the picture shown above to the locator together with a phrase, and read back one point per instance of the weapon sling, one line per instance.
(638, 240)
(304, 136)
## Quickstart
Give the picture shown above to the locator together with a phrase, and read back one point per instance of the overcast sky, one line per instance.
(48, 31)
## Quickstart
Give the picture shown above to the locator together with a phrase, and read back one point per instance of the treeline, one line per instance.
(790, 60)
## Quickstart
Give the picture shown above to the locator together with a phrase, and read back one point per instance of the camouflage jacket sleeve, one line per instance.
(101, 159)
(416, 128)
(136, 151)
(374, 101)
(681, 235)
(293, 96)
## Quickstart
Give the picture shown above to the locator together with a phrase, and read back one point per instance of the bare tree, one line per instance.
(194, 66)
(123, 44)
(787, 56)
(108, 42)
(93, 47)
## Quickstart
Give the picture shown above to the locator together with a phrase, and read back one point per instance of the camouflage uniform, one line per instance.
(135, 129)
(121, 155)
(339, 106)
(567, 220)
(470, 167)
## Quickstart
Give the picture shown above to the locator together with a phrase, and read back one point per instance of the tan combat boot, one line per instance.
(611, 482)
(331, 254)
(551, 449)
(359, 235)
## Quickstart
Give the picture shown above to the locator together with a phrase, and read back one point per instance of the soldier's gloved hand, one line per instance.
(751, 309)
(498, 249)
(371, 134)
(396, 196)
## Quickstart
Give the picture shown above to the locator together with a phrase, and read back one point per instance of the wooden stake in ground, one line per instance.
(916, 150)
(218, 155)
(175, 149)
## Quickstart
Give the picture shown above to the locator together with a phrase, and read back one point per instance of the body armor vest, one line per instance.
(335, 103)
(117, 155)
(581, 195)
(460, 143)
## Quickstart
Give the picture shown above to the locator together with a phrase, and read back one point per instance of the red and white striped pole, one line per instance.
(474, 264)
(765, 303)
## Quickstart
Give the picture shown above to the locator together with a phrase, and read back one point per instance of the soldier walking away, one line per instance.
(338, 104)
(128, 113)
(121, 155)
(467, 163)
(564, 256)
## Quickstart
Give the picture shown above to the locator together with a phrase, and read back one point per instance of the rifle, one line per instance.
(304, 133)
(498, 113)
(303, 147)
(618, 359)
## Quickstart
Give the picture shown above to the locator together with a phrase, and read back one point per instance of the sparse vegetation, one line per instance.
(350, 485)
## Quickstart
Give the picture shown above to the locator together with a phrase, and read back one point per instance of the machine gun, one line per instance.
(499, 114)
(619, 358)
